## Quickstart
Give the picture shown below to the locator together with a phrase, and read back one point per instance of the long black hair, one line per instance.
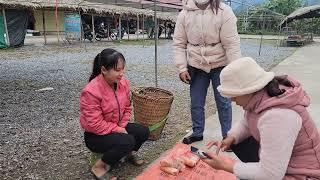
(215, 5)
(273, 87)
(108, 58)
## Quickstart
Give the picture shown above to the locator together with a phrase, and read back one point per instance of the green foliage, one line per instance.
(266, 18)
(283, 6)
(311, 25)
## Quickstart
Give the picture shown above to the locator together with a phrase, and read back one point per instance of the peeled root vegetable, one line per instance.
(190, 160)
(169, 170)
(174, 163)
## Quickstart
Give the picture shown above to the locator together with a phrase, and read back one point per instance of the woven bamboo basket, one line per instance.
(151, 108)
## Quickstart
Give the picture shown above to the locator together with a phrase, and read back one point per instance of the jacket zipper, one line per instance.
(115, 94)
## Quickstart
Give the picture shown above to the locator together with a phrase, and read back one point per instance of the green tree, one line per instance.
(266, 17)
(284, 7)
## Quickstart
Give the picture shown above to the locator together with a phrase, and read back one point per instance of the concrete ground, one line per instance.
(304, 64)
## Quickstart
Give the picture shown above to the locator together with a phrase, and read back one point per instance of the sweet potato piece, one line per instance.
(174, 163)
(169, 170)
(190, 160)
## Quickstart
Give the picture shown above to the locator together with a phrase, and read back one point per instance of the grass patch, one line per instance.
(8, 49)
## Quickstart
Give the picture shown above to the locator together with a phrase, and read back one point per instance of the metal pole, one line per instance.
(44, 27)
(93, 28)
(156, 42)
(6, 26)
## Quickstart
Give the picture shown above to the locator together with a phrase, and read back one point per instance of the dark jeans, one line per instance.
(117, 145)
(247, 150)
(200, 81)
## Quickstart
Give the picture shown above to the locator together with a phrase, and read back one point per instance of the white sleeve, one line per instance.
(278, 130)
(180, 41)
(240, 130)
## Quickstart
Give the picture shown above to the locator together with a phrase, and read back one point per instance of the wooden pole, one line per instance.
(138, 26)
(93, 29)
(260, 44)
(143, 26)
(108, 31)
(44, 26)
(128, 30)
(6, 26)
(57, 21)
(119, 34)
(165, 29)
(81, 29)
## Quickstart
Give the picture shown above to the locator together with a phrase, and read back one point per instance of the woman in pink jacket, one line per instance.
(105, 112)
(277, 138)
(205, 40)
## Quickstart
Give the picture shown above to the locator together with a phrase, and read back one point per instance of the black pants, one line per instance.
(117, 145)
(247, 150)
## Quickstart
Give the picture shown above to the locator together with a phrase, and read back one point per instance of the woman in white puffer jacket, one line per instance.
(205, 41)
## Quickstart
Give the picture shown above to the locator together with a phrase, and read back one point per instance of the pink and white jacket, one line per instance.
(103, 110)
(288, 137)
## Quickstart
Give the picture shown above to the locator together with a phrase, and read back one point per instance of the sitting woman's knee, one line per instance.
(146, 132)
(128, 143)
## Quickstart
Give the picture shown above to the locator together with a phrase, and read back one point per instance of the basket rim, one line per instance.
(135, 91)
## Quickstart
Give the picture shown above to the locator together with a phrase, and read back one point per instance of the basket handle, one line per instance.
(158, 124)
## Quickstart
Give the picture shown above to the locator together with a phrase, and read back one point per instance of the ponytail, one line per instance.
(108, 58)
(96, 70)
(273, 87)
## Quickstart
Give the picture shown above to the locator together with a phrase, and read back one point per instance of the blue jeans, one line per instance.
(200, 81)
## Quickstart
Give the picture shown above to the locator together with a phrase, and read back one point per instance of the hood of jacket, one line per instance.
(291, 97)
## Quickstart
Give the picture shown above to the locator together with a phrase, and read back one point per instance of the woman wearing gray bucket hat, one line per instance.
(276, 139)
(205, 40)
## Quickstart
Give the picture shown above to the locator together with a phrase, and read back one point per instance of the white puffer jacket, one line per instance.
(205, 39)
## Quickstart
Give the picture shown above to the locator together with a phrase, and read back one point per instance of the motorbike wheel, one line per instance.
(113, 36)
(90, 38)
(98, 37)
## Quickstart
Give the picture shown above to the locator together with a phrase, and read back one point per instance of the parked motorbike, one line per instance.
(102, 32)
(87, 33)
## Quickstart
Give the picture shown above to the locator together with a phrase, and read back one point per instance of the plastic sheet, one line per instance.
(200, 171)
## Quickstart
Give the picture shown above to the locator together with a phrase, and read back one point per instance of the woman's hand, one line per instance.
(185, 77)
(217, 163)
(222, 145)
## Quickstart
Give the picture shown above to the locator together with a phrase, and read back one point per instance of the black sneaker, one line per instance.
(191, 139)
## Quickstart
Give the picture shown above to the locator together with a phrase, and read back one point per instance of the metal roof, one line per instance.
(301, 13)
